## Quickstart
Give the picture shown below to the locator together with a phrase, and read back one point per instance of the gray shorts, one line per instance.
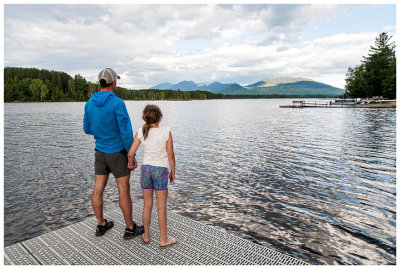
(116, 163)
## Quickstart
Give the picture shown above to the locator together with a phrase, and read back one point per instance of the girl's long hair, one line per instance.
(151, 114)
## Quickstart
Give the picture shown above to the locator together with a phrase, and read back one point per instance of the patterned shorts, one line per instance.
(154, 177)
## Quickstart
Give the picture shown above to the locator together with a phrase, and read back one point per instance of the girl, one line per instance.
(158, 152)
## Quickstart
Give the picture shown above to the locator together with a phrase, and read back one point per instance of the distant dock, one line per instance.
(330, 104)
(199, 245)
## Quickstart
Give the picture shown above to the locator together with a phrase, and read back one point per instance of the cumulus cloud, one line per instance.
(229, 43)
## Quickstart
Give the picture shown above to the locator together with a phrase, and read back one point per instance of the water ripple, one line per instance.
(318, 184)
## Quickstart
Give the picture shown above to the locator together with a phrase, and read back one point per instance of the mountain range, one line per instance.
(268, 86)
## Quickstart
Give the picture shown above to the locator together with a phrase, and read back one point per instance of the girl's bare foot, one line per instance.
(171, 241)
(146, 238)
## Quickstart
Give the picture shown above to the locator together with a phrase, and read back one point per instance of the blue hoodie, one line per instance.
(107, 119)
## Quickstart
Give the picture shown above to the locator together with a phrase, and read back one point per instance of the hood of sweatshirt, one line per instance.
(102, 97)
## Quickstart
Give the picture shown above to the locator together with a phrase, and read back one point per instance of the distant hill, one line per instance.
(269, 82)
(185, 85)
(163, 86)
(306, 87)
(213, 86)
(190, 86)
(267, 86)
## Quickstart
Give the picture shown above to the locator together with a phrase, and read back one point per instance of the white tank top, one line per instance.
(155, 146)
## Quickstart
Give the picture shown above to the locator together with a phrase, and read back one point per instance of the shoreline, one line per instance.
(390, 104)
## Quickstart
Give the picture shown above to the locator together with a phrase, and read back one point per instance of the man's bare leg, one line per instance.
(125, 201)
(97, 197)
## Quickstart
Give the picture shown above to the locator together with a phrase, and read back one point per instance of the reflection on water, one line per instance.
(318, 183)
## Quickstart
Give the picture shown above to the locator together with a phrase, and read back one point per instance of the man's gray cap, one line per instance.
(108, 75)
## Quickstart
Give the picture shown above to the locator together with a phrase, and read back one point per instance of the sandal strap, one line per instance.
(139, 230)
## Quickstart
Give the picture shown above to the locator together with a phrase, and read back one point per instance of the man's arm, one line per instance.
(124, 124)
(86, 124)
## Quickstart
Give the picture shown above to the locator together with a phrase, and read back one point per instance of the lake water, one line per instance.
(318, 184)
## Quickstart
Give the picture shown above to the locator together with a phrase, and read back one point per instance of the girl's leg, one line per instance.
(146, 215)
(162, 214)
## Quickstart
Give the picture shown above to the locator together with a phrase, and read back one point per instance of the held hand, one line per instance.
(132, 164)
(171, 177)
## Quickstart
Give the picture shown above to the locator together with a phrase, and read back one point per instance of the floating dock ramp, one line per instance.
(199, 245)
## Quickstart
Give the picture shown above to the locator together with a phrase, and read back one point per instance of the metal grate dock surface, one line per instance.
(199, 245)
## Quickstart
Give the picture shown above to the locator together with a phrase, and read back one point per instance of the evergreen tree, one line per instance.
(355, 82)
(378, 62)
(81, 88)
(376, 76)
(389, 83)
(50, 89)
(23, 87)
(71, 87)
(59, 83)
(9, 90)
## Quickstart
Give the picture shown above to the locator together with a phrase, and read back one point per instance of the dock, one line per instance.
(199, 244)
(303, 104)
(330, 104)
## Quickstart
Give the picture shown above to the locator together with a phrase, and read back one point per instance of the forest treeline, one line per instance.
(32, 84)
(153, 94)
(376, 75)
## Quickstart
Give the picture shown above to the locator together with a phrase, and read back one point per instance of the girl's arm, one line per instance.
(171, 158)
(132, 151)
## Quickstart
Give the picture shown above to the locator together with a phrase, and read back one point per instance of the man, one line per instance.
(107, 119)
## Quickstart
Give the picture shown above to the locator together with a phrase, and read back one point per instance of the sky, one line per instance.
(151, 44)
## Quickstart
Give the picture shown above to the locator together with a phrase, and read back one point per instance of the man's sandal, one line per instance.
(131, 233)
(101, 230)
